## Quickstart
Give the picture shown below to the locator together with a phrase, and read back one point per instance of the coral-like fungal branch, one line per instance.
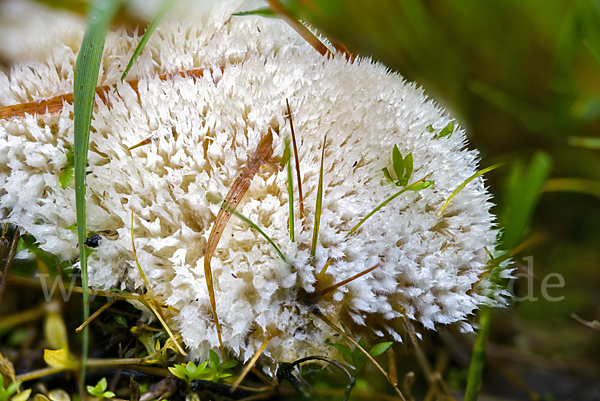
(153, 304)
(240, 186)
(55, 104)
(297, 159)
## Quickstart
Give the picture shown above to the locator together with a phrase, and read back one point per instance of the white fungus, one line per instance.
(431, 269)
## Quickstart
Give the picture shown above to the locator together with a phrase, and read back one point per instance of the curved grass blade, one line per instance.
(589, 142)
(165, 7)
(290, 186)
(257, 228)
(318, 207)
(87, 68)
(464, 184)
(580, 185)
(423, 183)
(240, 186)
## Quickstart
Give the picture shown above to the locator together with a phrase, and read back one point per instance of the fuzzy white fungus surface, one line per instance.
(432, 269)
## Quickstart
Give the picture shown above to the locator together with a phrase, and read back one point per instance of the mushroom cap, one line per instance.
(203, 128)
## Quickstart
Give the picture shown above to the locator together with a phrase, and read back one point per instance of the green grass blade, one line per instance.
(579, 185)
(522, 194)
(318, 207)
(417, 185)
(257, 228)
(290, 186)
(464, 184)
(87, 68)
(164, 9)
(266, 12)
(584, 142)
(478, 356)
(215, 200)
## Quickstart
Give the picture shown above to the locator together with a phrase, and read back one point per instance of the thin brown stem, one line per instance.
(96, 314)
(9, 258)
(327, 290)
(297, 160)
(251, 363)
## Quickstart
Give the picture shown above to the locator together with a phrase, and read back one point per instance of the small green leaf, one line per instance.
(66, 176)
(215, 361)
(60, 359)
(121, 320)
(12, 388)
(175, 370)
(262, 12)
(343, 349)
(387, 175)
(22, 396)
(191, 368)
(408, 167)
(55, 331)
(349, 359)
(380, 348)
(230, 363)
(398, 162)
(91, 389)
(446, 131)
(430, 128)
(102, 384)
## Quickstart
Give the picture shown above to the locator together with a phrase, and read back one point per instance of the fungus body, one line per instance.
(225, 88)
